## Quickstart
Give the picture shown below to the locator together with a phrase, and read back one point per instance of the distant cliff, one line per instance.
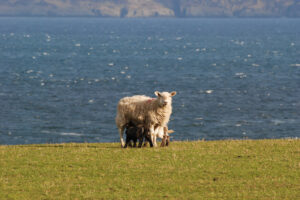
(151, 8)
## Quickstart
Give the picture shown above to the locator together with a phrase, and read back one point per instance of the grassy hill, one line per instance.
(151, 8)
(243, 169)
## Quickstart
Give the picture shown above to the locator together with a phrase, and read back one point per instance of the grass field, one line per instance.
(233, 169)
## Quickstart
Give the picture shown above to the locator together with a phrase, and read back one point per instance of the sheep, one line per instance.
(136, 133)
(145, 111)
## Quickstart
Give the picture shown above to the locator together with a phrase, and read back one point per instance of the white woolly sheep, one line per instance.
(146, 111)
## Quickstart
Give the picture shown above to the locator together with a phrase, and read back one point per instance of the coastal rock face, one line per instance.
(151, 8)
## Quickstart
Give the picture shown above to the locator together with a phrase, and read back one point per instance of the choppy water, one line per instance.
(61, 78)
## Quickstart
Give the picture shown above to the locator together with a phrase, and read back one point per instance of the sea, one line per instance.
(61, 78)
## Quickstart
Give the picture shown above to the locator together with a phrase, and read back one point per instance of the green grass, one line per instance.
(233, 169)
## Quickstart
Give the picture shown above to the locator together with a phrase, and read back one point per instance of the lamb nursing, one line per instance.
(145, 111)
(135, 133)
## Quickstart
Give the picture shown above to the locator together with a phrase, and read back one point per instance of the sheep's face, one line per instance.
(164, 98)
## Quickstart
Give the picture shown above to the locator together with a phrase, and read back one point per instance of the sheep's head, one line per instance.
(164, 98)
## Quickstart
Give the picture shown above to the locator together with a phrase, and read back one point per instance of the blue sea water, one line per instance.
(61, 78)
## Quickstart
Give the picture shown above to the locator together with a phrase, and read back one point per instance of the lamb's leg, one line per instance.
(167, 140)
(134, 142)
(163, 142)
(121, 131)
(141, 138)
(146, 142)
(130, 143)
(127, 141)
(151, 143)
(147, 139)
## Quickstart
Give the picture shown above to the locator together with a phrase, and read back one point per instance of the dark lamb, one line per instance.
(134, 133)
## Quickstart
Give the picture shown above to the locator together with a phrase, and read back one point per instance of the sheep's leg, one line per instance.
(121, 131)
(153, 137)
(154, 143)
(156, 132)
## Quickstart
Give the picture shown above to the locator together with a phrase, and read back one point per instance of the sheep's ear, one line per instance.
(173, 93)
(157, 93)
(171, 131)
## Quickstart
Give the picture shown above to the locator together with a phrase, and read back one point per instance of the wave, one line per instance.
(71, 134)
